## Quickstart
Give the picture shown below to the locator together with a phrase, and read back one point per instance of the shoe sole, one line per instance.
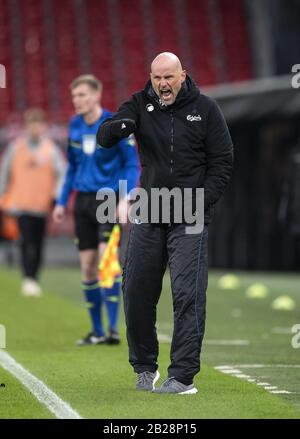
(79, 343)
(189, 392)
(192, 391)
(26, 294)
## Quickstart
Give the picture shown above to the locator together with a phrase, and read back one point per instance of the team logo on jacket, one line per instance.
(193, 118)
(149, 107)
(89, 143)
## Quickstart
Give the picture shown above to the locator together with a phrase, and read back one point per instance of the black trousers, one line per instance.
(150, 248)
(32, 231)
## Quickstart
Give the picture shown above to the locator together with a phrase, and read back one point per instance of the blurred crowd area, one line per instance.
(44, 44)
(14, 128)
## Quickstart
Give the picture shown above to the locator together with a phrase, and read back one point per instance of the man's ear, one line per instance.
(183, 76)
(99, 95)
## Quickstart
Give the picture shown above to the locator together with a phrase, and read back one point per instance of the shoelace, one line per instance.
(171, 382)
(168, 381)
(142, 377)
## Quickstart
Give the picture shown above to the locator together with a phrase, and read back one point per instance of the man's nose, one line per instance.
(163, 83)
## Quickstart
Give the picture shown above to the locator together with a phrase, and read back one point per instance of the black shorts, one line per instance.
(88, 231)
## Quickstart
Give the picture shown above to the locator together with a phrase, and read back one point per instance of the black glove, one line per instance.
(122, 127)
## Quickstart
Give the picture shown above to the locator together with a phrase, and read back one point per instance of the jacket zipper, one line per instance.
(172, 140)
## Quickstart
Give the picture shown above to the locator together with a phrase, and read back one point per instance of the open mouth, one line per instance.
(165, 94)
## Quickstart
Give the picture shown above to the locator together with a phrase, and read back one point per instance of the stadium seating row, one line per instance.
(45, 44)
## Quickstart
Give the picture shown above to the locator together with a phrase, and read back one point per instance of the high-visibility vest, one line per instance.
(32, 177)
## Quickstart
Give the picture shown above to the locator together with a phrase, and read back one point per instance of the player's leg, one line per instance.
(24, 228)
(144, 267)
(88, 264)
(38, 234)
(30, 246)
(87, 242)
(188, 270)
(111, 294)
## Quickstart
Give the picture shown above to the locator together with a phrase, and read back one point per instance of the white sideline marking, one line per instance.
(233, 370)
(242, 375)
(278, 330)
(280, 391)
(256, 366)
(57, 406)
(227, 342)
(164, 338)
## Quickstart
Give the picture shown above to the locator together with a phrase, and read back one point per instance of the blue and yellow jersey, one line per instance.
(91, 167)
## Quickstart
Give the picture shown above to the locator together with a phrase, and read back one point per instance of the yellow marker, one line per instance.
(109, 267)
(257, 291)
(284, 303)
(229, 282)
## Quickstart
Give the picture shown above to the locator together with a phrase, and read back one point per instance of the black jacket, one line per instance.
(186, 144)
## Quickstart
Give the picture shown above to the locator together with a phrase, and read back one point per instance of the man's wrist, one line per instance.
(127, 197)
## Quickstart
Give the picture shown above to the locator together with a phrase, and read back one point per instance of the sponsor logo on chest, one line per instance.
(196, 118)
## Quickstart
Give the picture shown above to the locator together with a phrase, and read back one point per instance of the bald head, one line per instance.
(167, 76)
(166, 59)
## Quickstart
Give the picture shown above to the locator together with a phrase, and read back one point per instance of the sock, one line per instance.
(111, 298)
(93, 298)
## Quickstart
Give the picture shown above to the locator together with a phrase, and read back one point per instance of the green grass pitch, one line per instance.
(98, 381)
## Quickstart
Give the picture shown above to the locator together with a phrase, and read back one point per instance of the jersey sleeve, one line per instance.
(131, 167)
(69, 176)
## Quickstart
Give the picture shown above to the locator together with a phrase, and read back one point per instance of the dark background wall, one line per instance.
(246, 231)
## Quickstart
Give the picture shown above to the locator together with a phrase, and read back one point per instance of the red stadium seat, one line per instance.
(52, 38)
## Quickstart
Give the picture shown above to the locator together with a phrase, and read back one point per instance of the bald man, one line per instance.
(184, 143)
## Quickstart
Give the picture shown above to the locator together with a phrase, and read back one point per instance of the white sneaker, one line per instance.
(30, 288)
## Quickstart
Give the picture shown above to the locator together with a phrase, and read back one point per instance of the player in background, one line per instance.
(31, 174)
(90, 168)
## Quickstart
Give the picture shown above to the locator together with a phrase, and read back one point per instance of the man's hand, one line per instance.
(122, 211)
(58, 214)
(122, 127)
